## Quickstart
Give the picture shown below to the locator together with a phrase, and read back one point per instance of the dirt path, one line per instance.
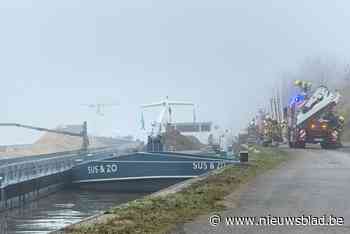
(314, 182)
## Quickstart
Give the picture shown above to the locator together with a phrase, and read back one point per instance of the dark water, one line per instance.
(59, 210)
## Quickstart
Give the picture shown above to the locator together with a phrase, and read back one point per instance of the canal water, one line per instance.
(59, 210)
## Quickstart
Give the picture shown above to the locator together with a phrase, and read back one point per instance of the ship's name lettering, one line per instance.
(103, 169)
(208, 165)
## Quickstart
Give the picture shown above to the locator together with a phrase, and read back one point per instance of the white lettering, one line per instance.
(103, 169)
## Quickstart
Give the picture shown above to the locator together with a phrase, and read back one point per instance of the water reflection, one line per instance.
(59, 210)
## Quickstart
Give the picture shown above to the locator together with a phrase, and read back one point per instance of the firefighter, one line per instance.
(267, 131)
(284, 131)
(340, 128)
(341, 123)
(252, 129)
(252, 123)
(277, 133)
(333, 121)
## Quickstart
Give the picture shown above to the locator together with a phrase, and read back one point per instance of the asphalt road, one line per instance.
(314, 182)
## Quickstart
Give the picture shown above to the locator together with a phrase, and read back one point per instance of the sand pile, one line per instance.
(174, 140)
(51, 143)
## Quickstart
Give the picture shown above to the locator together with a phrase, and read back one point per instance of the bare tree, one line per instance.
(320, 71)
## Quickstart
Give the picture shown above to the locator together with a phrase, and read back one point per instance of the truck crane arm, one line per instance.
(320, 100)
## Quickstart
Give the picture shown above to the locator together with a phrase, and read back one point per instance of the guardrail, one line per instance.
(17, 159)
(24, 181)
(48, 164)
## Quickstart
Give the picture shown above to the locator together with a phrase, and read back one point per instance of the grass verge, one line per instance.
(161, 214)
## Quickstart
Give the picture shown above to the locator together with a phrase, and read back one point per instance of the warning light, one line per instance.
(297, 99)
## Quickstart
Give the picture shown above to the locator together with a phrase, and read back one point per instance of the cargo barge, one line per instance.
(144, 172)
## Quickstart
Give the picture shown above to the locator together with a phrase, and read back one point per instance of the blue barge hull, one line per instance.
(143, 172)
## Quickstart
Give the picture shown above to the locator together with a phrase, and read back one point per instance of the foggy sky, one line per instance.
(222, 55)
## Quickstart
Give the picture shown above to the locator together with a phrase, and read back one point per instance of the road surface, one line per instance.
(314, 182)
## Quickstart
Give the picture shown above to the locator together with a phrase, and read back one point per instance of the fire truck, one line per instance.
(311, 118)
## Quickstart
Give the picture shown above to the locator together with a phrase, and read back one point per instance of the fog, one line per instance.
(222, 55)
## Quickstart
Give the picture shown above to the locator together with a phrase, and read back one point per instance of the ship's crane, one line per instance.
(82, 134)
(165, 115)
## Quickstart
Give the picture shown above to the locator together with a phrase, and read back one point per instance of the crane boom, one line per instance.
(100, 106)
(82, 134)
(172, 103)
(40, 129)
